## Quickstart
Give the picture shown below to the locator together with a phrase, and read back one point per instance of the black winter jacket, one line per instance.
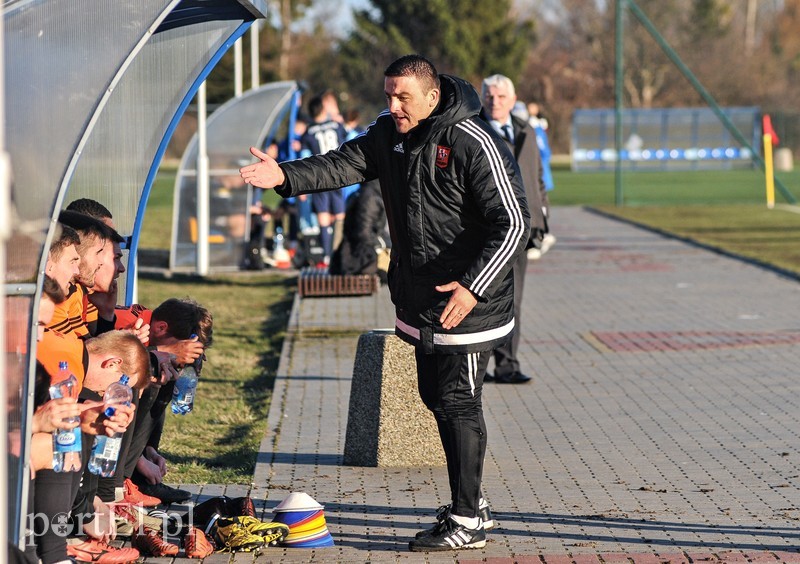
(456, 210)
(364, 225)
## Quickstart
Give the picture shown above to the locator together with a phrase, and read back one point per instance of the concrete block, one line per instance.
(387, 423)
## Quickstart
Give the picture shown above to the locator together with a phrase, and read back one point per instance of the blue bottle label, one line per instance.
(67, 441)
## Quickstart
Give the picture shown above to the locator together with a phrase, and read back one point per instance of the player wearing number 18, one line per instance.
(322, 136)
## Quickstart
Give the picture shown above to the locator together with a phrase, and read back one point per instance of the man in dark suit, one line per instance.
(498, 95)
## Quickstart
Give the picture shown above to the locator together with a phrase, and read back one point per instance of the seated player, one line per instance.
(184, 329)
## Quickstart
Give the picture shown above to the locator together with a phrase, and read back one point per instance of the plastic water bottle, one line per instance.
(183, 393)
(280, 255)
(105, 450)
(66, 442)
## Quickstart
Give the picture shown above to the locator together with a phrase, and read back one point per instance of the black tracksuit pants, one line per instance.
(451, 386)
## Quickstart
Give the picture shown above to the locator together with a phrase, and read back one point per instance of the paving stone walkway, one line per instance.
(661, 426)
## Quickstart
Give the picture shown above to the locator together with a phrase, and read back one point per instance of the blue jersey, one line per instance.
(320, 138)
(545, 152)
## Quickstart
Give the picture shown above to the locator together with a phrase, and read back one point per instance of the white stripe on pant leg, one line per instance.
(473, 360)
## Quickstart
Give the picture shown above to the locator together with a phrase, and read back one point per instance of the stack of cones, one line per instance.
(306, 521)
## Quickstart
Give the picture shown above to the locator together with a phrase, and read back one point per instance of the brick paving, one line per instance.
(661, 426)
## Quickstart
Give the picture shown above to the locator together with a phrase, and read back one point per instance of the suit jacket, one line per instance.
(529, 160)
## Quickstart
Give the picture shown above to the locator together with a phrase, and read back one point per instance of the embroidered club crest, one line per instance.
(442, 156)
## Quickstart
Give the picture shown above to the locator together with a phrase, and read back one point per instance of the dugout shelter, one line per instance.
(249, 120)
(93, 92)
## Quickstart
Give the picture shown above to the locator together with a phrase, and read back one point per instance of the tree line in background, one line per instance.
(559, 53)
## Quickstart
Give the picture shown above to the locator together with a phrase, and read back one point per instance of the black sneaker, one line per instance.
(449, 535)
(204, 513)
(442, 514)
(165, 493)
(484, 512)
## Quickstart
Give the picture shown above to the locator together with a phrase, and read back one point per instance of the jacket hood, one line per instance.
(459, 100)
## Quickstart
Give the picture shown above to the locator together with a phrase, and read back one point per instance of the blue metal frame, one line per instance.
(151, 175)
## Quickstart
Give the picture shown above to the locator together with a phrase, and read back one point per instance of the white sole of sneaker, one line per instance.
(477, 544)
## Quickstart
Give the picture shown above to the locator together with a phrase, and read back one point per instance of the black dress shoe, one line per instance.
(512, 378)
(488, 377)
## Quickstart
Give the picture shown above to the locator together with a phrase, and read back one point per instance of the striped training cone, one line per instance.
(306, 521)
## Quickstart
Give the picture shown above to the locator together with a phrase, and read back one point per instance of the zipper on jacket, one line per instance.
(422, 238)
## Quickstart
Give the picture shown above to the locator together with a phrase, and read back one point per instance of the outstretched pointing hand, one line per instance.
(263, 174)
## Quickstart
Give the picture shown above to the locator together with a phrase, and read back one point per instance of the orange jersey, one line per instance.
(89, 309)
(70, 316)
(55, 347)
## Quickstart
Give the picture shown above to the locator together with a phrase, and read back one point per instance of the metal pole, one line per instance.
(238, 80)
(618, 101)
(254, 55)
(202, 184)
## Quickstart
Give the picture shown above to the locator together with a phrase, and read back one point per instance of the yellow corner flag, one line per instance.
(769, 138)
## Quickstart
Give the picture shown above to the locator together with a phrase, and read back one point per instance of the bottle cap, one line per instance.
(109, 411)
(124, 379)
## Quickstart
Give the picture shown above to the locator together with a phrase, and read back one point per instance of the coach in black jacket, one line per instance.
(458, 219)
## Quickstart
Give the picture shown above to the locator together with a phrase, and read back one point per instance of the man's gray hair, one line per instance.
(498, 80)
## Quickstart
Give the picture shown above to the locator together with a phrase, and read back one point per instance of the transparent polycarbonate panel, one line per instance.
(59, 60)
(23, 251)
(231, 130)
(17, 328)
(249, 117)
(124, 143)
(60, 57)
(89, 95)
(118, 156)
(227, 230)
